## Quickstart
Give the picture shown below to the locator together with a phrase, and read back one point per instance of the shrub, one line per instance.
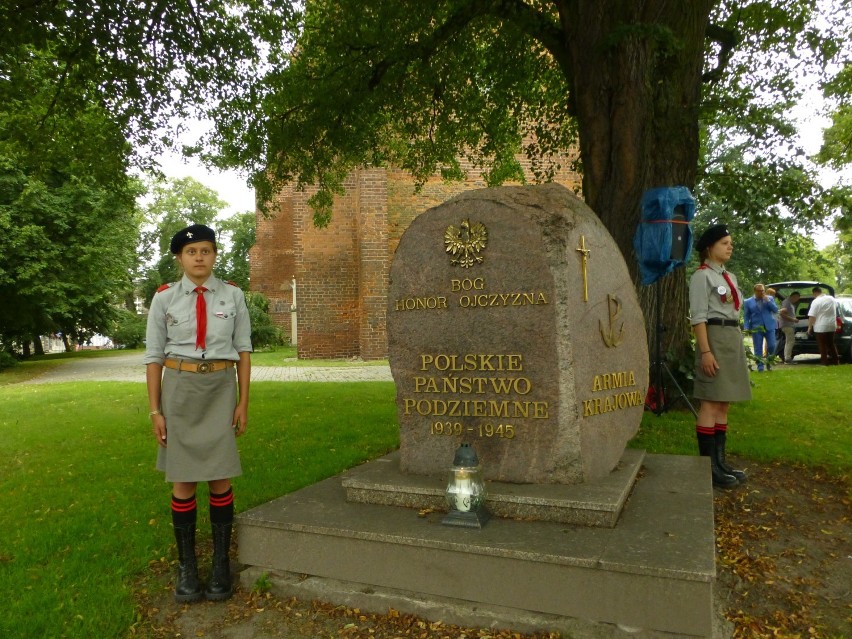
(7, 360)
(128, 330)
(263, 331)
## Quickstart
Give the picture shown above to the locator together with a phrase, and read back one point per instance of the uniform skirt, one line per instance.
(731, 382)
(200, 439)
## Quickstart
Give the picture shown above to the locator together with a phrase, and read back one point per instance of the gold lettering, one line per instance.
(420, 303)
(514, 363)
(608, 381)
(407, 404)
(522, 409)
(499, 409)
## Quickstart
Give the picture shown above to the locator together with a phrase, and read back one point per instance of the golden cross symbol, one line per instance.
(584, 252)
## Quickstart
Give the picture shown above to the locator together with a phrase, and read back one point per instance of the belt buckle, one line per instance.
(204, 367)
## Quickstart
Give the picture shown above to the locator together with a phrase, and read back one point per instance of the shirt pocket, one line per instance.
(180, 327)
(224, 313)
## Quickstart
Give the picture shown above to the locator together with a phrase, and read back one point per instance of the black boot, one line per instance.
(187, 587)
(721, 437)
(707, 448)
(219, 585)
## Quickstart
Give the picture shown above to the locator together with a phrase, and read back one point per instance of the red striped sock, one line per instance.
(184, 511)
(222, 507)
(705, 430)
(721, 428)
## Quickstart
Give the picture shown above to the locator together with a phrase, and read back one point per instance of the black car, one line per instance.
(806, 344)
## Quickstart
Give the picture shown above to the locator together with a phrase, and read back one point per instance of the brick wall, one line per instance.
(342, 270)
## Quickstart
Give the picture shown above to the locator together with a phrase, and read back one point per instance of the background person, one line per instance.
(198, 368)
(788, 324)
(759, 313)
(721, 370)
(822, 324)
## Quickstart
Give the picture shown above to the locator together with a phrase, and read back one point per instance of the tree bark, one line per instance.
(636, 73)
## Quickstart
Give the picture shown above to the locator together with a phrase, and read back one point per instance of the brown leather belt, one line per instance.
(715, 321)
(198, 367)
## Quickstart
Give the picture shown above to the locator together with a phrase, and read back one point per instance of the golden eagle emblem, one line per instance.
(466, 243)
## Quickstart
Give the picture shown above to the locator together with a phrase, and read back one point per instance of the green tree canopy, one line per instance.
(145, 61)
(631, 85)
(68, 221)
(419, 85)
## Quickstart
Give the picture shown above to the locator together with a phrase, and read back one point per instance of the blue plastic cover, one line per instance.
(653, 239)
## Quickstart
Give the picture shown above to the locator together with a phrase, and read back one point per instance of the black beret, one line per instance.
(711, 236)
(191, 234)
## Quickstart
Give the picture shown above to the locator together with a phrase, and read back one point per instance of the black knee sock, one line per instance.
(184, 511)
(222, 507)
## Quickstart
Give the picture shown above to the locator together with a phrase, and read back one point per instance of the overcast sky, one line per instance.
(232, 188)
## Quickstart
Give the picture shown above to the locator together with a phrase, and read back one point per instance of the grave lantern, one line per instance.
(466, 491)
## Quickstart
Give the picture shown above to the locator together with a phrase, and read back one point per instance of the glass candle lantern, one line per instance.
(465, 491)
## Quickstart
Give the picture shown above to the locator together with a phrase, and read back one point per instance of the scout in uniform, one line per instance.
(721, 370)
(198, 369)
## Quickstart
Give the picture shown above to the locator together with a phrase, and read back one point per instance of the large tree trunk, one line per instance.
(636, 70)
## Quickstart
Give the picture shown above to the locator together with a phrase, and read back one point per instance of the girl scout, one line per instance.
(198, 368)
(721, 371)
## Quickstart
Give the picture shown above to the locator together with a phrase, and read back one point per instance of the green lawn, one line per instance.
(84, 512)
(798, 414)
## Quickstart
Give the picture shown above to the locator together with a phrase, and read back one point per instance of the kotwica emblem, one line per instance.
(466, 243)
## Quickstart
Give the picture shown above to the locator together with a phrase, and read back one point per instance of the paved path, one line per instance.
(129, 368)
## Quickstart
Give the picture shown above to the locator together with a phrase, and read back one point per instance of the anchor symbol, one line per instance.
(610, 338)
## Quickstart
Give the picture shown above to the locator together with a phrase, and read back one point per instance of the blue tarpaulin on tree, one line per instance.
(663, 209)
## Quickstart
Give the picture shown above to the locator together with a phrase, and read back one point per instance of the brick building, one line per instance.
(341, 271)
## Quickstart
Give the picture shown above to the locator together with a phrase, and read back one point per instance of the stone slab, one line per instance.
(595, 503)
(653, 571)
(513, 325)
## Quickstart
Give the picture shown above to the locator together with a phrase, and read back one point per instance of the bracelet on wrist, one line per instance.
(705, 352)
(154, 412)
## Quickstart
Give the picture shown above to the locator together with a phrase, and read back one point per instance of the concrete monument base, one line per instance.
(596, 503)
(650, 575)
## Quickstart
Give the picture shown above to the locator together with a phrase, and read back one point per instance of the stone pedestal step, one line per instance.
(653, 571)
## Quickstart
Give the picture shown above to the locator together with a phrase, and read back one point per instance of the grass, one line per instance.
(85, 513)
(798, 414)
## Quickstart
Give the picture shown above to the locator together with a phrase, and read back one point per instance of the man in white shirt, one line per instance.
(822, 324)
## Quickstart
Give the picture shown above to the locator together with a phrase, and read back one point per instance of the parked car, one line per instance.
(806, 344)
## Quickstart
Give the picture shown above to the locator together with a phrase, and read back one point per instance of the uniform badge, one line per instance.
(723, 294)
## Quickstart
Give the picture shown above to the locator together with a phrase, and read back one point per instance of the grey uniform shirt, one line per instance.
(172, 323)
(710, 296)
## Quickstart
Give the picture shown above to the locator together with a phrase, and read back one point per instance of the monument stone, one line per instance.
(513, 325)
